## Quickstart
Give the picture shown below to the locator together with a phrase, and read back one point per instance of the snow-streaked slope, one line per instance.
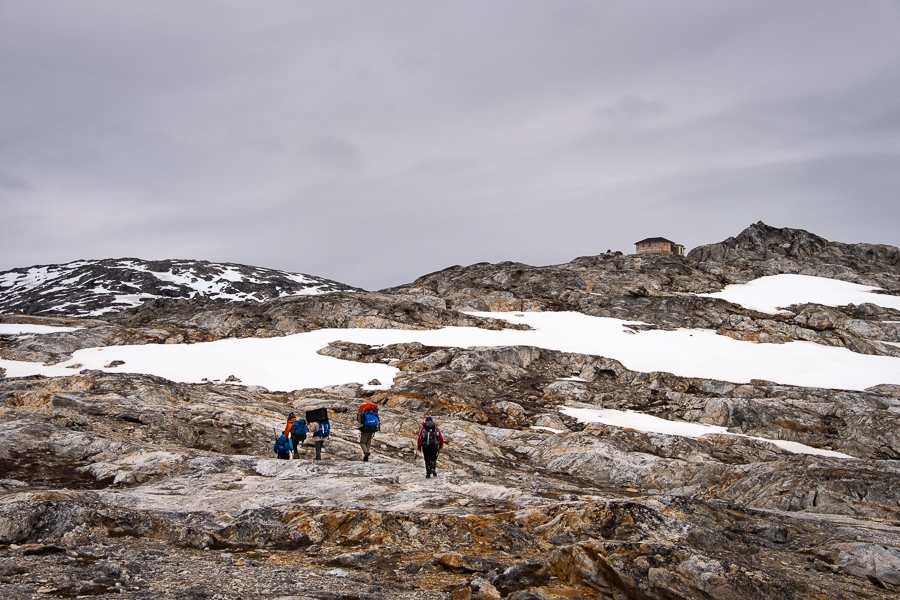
(774, 293)
(96, 287)
(291, 362)
(27, 328)
(651, 424)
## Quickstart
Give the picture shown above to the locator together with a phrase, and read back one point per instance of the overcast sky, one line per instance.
(374, 142)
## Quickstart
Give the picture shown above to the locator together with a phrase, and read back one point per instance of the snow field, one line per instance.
(291, 362)
(650, 424)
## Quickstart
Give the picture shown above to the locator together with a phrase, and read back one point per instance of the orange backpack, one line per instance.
(368, 406)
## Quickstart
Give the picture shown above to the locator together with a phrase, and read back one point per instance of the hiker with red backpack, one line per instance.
(430, 443)
(369, 424)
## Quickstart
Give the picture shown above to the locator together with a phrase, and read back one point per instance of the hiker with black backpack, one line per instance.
(369, 424)
(430, 443)
(320, 427)
(296, 429)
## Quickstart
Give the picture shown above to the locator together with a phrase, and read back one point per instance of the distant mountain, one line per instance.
(97, 287)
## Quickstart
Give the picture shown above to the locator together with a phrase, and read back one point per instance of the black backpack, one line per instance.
(429, 435)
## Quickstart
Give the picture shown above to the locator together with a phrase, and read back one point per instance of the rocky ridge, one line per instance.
(661, 289)
(99, 287)
(115, 483)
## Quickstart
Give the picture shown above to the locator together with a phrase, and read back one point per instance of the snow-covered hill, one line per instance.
(96, 287)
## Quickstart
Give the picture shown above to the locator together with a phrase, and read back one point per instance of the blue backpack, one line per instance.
(324, 429)
(299, 427)
(370, 422)
(282, 444)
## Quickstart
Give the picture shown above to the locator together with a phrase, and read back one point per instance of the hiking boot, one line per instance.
(365, 458)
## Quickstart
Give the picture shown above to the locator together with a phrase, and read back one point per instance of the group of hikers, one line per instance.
(316, 424)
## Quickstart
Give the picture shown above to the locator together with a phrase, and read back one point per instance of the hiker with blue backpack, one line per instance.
(296, 429)
(369, 424)
(320, 427)
(283, 447)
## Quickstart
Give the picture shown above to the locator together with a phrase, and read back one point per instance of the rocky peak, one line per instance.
(764, 250)
(760, 242)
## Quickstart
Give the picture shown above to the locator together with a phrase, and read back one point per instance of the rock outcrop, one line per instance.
(762, 250)
(101, 471)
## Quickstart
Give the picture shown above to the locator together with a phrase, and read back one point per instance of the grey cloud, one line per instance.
(630, 109)
(374, 142)
(333, 153)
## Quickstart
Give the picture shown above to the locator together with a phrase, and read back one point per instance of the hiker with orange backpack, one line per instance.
(369, 424)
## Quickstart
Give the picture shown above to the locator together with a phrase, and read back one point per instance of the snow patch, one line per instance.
(550, 429)
(650, 424)
(771, 294)
(24, 328)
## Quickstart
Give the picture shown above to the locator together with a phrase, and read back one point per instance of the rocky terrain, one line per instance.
(97, 287)
(127, 485)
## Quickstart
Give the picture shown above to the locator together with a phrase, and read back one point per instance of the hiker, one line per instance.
(320, 432)
(369, 423)
(296, 429)
(430, 443)
(283, 447)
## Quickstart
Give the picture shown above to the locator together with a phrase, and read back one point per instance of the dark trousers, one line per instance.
(284, 455)
(431, 455)
(319, 443)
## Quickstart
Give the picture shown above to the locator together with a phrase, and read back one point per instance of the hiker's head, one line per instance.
(429, 420)
(291, 416)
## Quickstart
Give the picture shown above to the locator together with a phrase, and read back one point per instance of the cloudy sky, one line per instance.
(373, 142)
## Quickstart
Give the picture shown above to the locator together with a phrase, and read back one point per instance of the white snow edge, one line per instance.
(650, 424)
